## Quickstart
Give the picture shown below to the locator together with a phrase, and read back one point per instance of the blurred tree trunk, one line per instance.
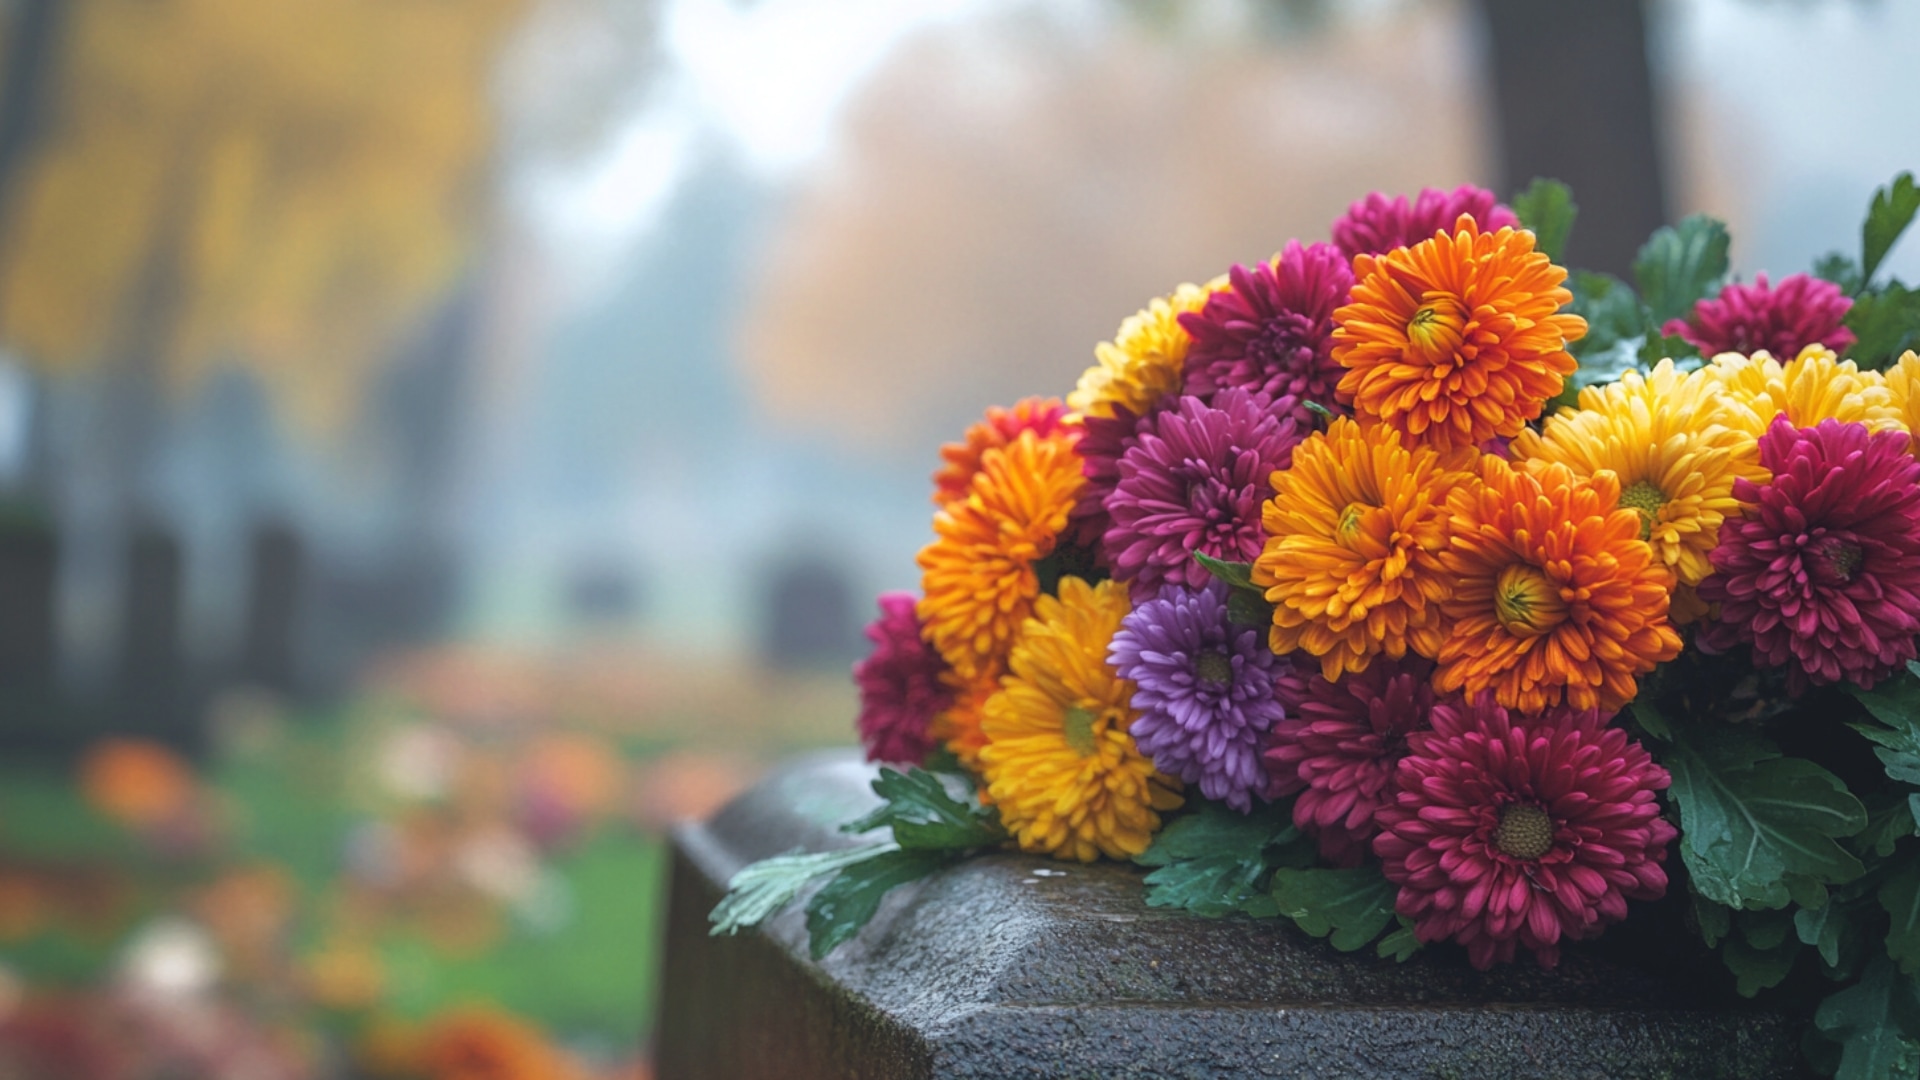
(1573, 95)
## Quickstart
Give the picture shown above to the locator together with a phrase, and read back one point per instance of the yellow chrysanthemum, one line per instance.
(1903, 387)
(977, 581)
(1555, 595)
(1143, 362)
(1059, 762)
(1675, 441)
(1457, 339)
(1811, 387)
(1351, 562)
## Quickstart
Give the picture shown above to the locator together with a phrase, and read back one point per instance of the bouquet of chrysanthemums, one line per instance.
(1409, 587)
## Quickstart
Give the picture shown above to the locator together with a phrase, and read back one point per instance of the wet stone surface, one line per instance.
(1012, 966)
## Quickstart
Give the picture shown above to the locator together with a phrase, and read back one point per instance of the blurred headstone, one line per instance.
(810, 621)
(29, 561)
(151, 681)
(602, 594)
(273, 608)
(1573, 94)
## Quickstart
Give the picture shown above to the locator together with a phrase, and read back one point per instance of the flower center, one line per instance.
(1844, 559)
(1648, 499)
(1349, 523)
(1525, 602)
(1214, 669)
(1437, 329)
(1525, 831)
(1077, 725)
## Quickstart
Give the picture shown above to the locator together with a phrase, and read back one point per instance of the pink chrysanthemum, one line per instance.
(1782, 319)
(1376, 224)
(1509, 831)
(1339, 743)
(1821, 573)
(1194, 480)
(900, 685)
(1271, 330)
(1102, 440)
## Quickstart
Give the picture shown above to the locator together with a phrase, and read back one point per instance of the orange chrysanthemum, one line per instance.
(1059, 761)
(1903, 385)
(486, 1044)
(1555, 595)
(1813, 386)
(136, 782)
(1045, 417)
(958, 726)
(1351, 562)
(978, 580)
(1457, 339)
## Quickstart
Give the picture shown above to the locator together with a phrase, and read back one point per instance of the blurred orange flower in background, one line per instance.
(136, 782)
(486, 1044)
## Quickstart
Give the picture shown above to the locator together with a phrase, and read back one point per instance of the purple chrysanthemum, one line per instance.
(900, 686)
(1821, 573)
(1340, 743)
(1205, 691)
(1194, 479)
(1271, 332)
(1376, 224)
(1781, 319)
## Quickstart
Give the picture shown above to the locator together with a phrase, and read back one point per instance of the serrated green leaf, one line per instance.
(1352, 906)
(842, 906)
(1213, 861)
(1400, 945)
(1679, 265)
(1238, 575)
(1869, 1020)
(1756, 969)
(1613, 313)
(1885, 323)
(1888, 216)
(1821, 928)
(1750, 819)
(1658, 347)
(1890, 819)
(1714, 919)
(761, 889)
(1899, 896)
(925, 816)
(1764, 929)
(1839, 269)
(1547, 208)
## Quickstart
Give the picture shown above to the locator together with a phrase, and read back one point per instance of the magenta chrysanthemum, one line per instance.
(900, 686)
(1821, 573)
(1204, 691)
(1339, 744)
(1271, 330)
(1508, 831)
(1194, 479)
(1102, 440)
(1783, 319)
(1376, 224)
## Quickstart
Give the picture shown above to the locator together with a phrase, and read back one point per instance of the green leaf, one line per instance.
(1658, 347)
(847, 903)
(1067, 560)
(1715, 919)
(1896, 704)
(1869, 1019)
(1886, 322)
(925, 816)
(1401, 944)
(1547, 208)
(1839, 269)
(1248, 608)
(1613, 313)
(1322, 415)
(1896, 701)
(1890, 819)
(1239, 575)
(1900, 897)
(1822, 928)
(1213, 861)
(1681, 264)
(1351, 905)
(1652, 720)
(760, 889)
(1756, 969)
(1888, 216)
(1751, 819)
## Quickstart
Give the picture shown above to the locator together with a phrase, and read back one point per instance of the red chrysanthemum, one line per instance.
(1507, 831)
(901, 689)
(1376, 224)
(1783, 319)
(1821, 572)
(1271, 330)
(1338, 746)
(1045, 417)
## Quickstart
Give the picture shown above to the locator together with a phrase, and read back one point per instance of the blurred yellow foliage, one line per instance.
(279, 183)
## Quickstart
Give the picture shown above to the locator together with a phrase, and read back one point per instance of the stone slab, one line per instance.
(1014, 966)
